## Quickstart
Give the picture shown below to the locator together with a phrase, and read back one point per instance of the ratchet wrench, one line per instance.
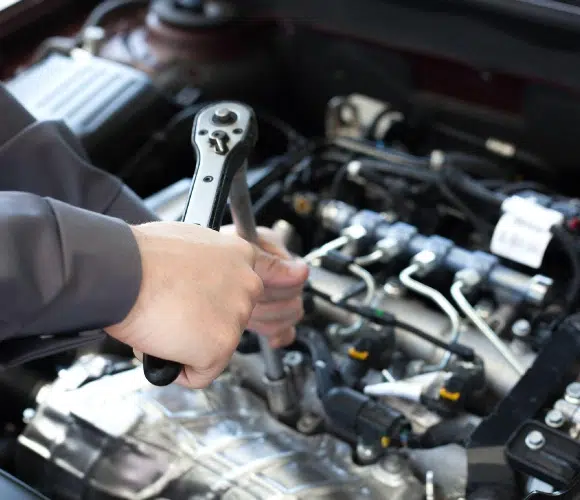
(223, 136)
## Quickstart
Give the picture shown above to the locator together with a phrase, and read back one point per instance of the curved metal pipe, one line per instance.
(483, 327)
(439, 299)
(500, 375)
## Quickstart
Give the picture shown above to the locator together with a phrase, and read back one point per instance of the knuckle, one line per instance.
(256, 286)
(299, 308)
(245, 249)
(246, 310)
(230, 343)
(203, 378)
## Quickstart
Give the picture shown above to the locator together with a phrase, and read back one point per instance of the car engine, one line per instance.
(438, 355)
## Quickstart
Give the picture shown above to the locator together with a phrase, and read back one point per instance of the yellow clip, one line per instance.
(385, 441)
(360, 355)
(451, 396)
(302, 205)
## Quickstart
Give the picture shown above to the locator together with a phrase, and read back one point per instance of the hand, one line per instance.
(280, 307)
(197, 293)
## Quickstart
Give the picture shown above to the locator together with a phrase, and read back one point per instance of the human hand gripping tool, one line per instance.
(223, 135)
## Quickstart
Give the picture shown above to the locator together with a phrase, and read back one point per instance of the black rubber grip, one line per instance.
(159, 371)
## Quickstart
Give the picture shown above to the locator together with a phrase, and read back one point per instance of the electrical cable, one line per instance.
(471, 187)
(385, 319)
(514, 187)
(421, 174)
(561, 235)
(490, 145)
(474, 165)
(568, 245)
(100, 13)
(480, 225)
(385, 154)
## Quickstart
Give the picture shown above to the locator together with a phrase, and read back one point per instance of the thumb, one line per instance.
(276, 271)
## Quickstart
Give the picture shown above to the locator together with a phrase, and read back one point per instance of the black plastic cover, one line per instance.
(558, 363)
(557, 462)
(111, 108)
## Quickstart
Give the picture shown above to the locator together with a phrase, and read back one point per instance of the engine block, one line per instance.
(120, 438)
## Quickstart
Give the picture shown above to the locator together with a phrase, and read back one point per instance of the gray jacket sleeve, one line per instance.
(69, 261)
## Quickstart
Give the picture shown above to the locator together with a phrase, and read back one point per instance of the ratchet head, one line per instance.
(223, 136)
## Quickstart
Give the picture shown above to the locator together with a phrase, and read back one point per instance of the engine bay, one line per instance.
(438, 355)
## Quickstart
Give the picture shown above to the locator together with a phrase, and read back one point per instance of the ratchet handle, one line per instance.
(160, 371)
(223, 136)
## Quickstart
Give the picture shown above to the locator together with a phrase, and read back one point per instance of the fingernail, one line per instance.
(297, 266)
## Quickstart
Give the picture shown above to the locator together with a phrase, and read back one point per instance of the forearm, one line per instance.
(63, 269)
(46, 159)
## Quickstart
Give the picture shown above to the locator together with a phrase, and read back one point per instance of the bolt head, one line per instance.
(392, 464)
(535, 440)
(353, 168)
(224, 116)
(554, 418)
(366, 453)
(573, 393)
(394, 288)
(293, 358)
(28, 415)
(521, 328)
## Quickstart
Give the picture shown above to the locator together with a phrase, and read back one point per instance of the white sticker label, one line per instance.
(532, 214)
(518, 241)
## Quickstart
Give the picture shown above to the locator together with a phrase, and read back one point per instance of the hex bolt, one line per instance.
(555, 419)
(224, 116)
(484, 309)
(535, 440)
(394, 288)
(392, 464)
(521, 328)
(367, 454)
(573, 393)
(28, 414)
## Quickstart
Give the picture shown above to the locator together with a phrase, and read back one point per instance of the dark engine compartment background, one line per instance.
(489, 74)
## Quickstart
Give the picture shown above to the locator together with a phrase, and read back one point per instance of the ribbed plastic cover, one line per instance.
(85, 92)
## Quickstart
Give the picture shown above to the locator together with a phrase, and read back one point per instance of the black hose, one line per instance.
(474, 165)
(471, 187)
(494, 200)
(514, 187)
(479, 224)
(481, 144)
(568, 245)
(416, 173)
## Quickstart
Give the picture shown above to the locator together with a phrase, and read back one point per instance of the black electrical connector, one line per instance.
(371, 350)
(466, 382)
(374, 423)
(336, 262)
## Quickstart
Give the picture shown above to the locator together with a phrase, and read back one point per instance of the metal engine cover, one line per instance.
(121, 438)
